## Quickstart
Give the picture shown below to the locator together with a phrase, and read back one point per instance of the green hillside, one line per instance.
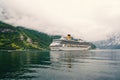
(12, 38)
(20, 38)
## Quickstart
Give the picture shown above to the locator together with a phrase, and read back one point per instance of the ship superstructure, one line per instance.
(69, 43)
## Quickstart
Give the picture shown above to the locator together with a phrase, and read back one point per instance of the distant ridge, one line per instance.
(113, 42)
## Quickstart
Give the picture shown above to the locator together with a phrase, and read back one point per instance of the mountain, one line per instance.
(113, 42)
(12, 38)
(20, 38)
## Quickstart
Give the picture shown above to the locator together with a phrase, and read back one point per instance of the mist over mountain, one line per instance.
(16, 17)
(97, 28)
(3, 13)
(90, 20)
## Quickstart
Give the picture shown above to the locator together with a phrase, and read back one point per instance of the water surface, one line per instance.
(60, 65)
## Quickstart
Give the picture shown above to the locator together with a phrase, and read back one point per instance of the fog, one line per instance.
(90, 20)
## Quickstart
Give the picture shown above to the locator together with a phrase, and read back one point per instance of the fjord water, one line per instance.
(60, 65)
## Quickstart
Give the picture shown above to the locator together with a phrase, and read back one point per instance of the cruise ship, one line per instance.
(69, 43)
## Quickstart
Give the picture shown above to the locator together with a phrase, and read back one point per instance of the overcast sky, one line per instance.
(86, 19)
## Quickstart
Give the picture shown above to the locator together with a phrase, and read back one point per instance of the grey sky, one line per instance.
(87, 19)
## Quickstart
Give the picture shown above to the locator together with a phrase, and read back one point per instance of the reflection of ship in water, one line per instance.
(67, 58)
(69, 43)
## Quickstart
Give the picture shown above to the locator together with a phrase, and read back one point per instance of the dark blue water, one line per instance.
(60, 65)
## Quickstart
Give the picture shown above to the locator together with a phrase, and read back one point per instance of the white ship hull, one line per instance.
(68, 48)
(69, 43)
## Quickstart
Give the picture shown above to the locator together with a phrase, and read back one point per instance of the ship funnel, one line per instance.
(69, 37)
